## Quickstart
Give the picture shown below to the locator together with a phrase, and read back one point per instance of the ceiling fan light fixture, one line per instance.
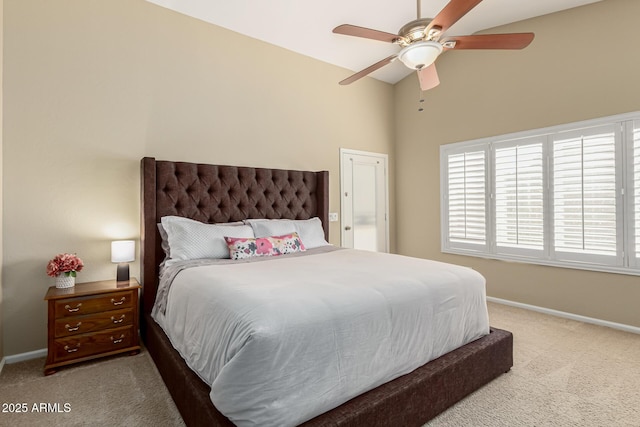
(421, 54)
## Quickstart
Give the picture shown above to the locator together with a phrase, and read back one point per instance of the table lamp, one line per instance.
(123, 252)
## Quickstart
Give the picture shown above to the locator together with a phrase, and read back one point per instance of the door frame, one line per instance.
(384, 158)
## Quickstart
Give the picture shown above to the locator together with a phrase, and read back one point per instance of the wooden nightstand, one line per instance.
(91, 320)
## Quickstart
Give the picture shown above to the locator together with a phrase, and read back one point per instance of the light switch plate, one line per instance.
(333, 217)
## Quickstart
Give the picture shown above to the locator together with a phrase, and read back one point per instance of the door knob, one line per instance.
(347, 228)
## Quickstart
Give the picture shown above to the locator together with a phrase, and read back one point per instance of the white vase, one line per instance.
(63, 281)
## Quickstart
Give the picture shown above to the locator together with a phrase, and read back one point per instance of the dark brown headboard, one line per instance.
(213, 193)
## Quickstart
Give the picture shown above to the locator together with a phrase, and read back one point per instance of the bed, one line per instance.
(220, 194)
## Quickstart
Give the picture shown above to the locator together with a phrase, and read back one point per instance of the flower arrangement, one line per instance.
(67, 264)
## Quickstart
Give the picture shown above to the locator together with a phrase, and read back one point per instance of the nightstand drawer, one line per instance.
(93, 322)
(93, 304)
(79, 346)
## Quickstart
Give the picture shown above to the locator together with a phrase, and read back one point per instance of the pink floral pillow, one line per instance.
(247, 247)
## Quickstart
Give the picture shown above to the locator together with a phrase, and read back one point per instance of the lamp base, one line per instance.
(122, 272)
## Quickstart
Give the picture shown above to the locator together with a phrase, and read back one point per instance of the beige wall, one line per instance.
(91, 86)
(582, 64)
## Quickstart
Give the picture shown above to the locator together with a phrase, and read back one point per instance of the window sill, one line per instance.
(547, 263)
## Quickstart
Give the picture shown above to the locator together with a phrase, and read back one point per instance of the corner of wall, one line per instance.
(1, 150)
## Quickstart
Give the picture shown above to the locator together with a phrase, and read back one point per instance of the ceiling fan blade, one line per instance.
(491, 41)
(368, 70)
(367, 33)
(451, 13)
(428, 77)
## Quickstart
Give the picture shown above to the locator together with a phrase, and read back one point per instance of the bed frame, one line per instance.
(211, 193)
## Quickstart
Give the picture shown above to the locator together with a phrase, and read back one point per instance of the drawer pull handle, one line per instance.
(73, 310)
(71, 350)
(122, 300)
(73, 328)
(114, 320)
(119, 340)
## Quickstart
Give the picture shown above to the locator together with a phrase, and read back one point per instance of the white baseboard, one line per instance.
(585, 319)
(25, 356)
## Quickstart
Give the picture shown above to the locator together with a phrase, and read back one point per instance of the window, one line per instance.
(563, 196)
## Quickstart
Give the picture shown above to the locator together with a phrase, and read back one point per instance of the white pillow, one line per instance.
(190, 239)
(309, 230)
(164, 241)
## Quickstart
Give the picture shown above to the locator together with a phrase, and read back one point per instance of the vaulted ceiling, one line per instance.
(306, 27)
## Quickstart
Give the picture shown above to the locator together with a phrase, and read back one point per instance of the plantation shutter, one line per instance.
(584, 194)
(467, 198)
(636, 187)
(519, 195)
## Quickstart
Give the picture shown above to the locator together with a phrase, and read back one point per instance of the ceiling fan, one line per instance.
(422, 42)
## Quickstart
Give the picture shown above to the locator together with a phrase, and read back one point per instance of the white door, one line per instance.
(364, 201)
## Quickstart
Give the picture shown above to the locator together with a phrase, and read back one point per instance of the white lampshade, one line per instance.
(420, 55)
(123, 251)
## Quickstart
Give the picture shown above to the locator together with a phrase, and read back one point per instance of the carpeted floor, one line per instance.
(116, 391)
(565, 373)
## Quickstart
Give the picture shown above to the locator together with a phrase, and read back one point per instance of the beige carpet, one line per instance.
(566, 373)
(117, 391)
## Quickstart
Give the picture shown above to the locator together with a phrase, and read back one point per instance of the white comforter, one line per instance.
(287, 339)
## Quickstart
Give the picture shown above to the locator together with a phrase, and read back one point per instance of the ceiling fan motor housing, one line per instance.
(414, 31)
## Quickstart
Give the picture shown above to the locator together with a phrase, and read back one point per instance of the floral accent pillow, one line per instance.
(247, 247)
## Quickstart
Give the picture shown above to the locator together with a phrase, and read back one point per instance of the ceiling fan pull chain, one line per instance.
(421, 102)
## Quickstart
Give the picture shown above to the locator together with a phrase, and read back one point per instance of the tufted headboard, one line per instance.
(213, 193)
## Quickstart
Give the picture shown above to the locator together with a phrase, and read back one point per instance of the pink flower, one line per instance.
(65, 263)
(264, 246)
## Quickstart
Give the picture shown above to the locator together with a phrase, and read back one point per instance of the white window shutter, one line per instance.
(636, 188)
(584, 192)
(467, 197)
(519, 196)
